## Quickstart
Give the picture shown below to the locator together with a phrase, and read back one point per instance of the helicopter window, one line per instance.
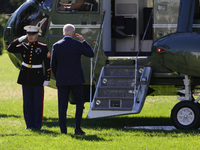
(126, 8)
(197, 9)
(196, 16)
(78, 5)
(30, 16)
(45, 4)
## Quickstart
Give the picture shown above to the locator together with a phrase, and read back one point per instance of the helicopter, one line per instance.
(142, 48)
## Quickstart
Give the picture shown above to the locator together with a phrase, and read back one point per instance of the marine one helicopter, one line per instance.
(142, 48)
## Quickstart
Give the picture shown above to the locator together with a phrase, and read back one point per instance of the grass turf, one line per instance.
(105, 133)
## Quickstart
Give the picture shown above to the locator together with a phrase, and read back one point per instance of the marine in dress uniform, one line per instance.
(67, 69)
(31, 76)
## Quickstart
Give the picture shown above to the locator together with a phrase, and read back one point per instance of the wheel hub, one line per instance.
(185, 116)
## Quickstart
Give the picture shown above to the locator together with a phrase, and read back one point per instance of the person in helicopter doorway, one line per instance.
(78, 5)
(31, 76)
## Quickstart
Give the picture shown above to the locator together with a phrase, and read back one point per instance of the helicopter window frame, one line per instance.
(44, 4)
(29, 15)
(82, 7)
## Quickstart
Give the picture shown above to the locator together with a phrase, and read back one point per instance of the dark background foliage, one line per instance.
(9, 6)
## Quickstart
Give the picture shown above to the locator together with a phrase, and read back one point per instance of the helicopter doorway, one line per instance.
(124, 30)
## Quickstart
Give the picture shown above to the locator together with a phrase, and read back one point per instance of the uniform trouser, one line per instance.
(63, 98)
(33, 106)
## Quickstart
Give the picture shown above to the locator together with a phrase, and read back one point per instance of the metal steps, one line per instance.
(113, 103)
(114, 94)
(117, 81)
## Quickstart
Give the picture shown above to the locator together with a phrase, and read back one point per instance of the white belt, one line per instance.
(31, 66)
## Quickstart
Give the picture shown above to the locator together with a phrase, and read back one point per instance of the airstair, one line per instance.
(119, 91)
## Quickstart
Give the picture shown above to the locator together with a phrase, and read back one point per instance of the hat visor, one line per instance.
(32, 33)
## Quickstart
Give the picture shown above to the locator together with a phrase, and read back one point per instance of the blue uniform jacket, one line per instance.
(66, 61)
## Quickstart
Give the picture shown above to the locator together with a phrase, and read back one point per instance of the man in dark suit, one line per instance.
(67, 69)
(31, 76)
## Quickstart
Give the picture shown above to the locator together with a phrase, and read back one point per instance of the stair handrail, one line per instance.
(136, 61)
(99, 35)
(93, 66)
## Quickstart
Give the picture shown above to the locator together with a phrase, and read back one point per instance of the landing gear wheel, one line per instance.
(186, 115)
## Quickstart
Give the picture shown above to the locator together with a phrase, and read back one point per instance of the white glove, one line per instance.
(22, 38)
(46, 83)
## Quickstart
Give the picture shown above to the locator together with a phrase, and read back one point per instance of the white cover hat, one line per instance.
(31, 28)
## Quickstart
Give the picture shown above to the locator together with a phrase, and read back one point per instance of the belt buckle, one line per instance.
(29, 66)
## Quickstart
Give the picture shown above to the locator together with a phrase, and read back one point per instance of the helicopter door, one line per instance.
(125, 25)
(83, 14)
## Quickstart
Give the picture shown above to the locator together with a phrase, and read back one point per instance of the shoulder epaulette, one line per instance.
(25, 43)
(42, 44)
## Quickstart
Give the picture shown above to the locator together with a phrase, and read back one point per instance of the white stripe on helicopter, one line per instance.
(98, 26)
(172, 26)
(76, 26)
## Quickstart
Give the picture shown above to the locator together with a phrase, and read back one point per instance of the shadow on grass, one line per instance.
(8, 116)
(111, 122)
(4, 135)
(44, 131)
(87, 137)
(117, 123)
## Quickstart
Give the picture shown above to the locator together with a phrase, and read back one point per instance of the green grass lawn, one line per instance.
(105, 133)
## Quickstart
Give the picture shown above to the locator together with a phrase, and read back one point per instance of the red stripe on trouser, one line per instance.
(42, 104)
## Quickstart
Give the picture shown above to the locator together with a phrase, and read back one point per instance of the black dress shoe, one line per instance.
(63, 132)
(79, 132)
(36, 129)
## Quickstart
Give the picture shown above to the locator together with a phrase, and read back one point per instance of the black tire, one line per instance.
(186, 115)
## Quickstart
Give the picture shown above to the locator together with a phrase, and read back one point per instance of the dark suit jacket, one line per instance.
(66, 61)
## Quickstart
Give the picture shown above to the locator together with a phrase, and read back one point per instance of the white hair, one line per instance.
(68, 29)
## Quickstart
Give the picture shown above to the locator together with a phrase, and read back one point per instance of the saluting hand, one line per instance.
(79, 36)
(22, 38)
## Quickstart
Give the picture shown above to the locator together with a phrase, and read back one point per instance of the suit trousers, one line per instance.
(33, 106)
(63, 99)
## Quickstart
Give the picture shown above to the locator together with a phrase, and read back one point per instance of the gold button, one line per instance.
(31, 48)
(31, 51)
(38, 72)
(31, 45)
(29, 62)
(31, 55)
(30, 58)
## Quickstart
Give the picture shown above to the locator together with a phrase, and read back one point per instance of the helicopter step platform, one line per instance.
(118, 92)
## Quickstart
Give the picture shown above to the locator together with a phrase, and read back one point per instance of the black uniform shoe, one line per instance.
(63, 132)
(79, 132)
